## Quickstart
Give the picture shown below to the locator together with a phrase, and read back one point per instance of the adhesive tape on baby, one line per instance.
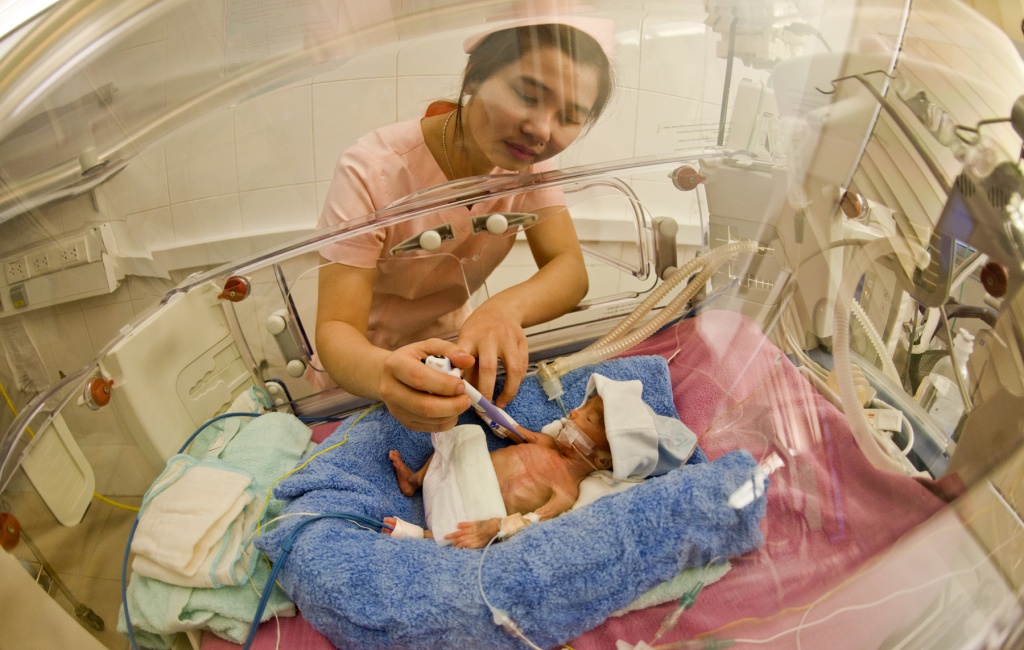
(405, 530)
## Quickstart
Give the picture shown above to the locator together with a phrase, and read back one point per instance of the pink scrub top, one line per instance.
(416, 295)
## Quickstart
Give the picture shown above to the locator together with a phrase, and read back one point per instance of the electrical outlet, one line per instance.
(16, 270)
(39, 262)
(70, 253)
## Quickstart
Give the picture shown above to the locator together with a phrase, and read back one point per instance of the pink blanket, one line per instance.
(829, 511)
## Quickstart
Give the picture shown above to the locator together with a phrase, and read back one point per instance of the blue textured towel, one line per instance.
(556, 579)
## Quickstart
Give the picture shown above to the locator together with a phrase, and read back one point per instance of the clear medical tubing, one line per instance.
(670, 283)
(616, 341)
(879, 456)
(876, 342)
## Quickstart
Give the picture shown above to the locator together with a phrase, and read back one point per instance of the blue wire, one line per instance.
(286, 548)
(124, 582)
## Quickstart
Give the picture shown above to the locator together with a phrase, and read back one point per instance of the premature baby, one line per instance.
(540, 478)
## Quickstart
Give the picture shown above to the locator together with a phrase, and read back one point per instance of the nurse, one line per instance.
(527, 93)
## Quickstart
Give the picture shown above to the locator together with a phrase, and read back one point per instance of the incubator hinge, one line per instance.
(498, 223)
(428, 240)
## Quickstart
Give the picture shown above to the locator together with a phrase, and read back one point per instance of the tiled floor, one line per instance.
(87, 558)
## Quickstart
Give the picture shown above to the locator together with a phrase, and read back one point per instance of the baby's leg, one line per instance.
(408, 480)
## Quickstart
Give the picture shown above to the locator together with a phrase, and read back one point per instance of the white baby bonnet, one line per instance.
(642, 442)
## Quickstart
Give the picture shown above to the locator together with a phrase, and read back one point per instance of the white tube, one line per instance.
(876, 342)
(655, 297)
(705, 259)
(879, 456)
(607, 347)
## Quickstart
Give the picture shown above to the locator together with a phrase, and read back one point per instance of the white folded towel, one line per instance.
(460, 484)
(195, 523)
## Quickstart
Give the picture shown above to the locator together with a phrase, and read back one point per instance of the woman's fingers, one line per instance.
(492, 343)
(419, 397)
(516, 362)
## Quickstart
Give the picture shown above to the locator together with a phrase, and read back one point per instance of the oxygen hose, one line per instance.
(876, 342)
(670, 283)
(870, 446)
(620, 339)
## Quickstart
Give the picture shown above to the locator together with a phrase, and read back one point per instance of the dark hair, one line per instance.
(507, 46)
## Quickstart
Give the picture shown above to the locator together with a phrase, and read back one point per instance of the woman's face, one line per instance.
(528, 111)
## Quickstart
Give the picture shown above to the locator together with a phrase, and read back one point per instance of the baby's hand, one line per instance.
(528, 436)
(474, 534)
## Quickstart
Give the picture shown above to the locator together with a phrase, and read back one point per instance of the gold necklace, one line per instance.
(444, 144)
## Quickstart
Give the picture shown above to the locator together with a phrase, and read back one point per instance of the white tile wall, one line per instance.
(201, 161)
(141, 186)
(441, 55)
(207, 219)
(274, 140)
(279, 208)
(416, 93)
(195, 45)
(152, 229)
(673, 58)
(345, 110)
(379, 63)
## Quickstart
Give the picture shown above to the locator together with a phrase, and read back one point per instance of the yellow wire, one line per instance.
(95, 495)
(259, 520)
(10, 405)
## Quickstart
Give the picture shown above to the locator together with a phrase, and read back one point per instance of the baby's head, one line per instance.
(625, 434)
(583, 433)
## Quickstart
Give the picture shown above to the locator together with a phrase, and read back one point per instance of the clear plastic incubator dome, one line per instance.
(795, 233)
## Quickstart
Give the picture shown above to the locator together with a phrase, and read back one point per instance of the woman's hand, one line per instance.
(495, 329)
(421, 398)
(493, 332)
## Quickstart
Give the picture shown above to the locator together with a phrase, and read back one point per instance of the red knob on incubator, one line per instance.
(995, 278)
(235, 289)
(97, 393)
(686, 178)
(10, 531)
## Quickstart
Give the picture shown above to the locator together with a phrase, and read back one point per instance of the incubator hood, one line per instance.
(798, 205)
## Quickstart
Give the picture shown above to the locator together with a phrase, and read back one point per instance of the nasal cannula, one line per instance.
(498, 420)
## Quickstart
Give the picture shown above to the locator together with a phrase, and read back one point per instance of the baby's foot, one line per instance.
(408, 481)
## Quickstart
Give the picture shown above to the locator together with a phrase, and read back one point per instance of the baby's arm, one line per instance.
(533, 437)
(556, 505)
(475, 534)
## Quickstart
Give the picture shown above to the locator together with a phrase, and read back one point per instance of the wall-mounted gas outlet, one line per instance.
(16, 270)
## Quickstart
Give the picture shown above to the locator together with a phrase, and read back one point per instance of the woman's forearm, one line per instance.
(555, 289)
(350, 359)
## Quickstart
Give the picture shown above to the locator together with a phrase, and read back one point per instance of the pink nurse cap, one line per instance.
(601, 30)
